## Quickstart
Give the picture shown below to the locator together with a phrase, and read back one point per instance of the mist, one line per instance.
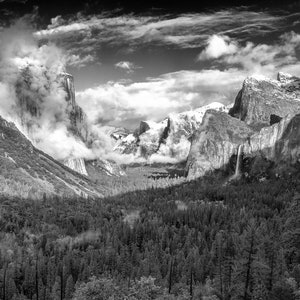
(32, 96)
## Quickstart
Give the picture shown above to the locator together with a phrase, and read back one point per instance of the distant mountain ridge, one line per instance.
(168, 140)
(262, 127)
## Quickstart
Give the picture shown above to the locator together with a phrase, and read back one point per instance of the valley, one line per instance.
(149, 155)
(221, 224)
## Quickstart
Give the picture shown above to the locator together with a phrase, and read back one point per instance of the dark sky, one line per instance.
(50, 9)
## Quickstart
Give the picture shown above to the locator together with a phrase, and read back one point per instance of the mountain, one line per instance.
(168, 139)
(264, 123)
(82, 129)
(262, 101)
(78, 119)
(28, 172)
(215, 142)
(32, 104)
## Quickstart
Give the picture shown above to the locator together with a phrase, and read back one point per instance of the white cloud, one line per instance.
(86, 35)
(29, 77)
(78, 61)
(120, 103)
(217, 47)
(128, 66)
(117, 103)
(266, 59)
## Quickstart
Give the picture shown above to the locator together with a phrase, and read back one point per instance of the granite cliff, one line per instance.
(264, 120)
(80, 127)
(78, 119)
(263, 102)
(215, 142)
(32, 103)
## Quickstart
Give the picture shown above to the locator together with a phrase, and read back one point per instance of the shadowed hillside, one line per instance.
(28, 172)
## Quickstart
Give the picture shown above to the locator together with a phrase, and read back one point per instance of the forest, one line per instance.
(197, 240)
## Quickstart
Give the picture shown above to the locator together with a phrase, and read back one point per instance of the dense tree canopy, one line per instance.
(198, 240)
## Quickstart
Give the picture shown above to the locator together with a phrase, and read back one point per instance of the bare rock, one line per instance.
(217, 139)
(262, 99)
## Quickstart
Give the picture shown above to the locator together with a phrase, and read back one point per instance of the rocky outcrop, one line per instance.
(126, 144)
(80, 128)
(181, 127)
(263, 123)
(279, 143)
(78, 120)
(214, 143)
(110, 168)
(76, 164)
(151, 135)
(32, 111)
(263, 101)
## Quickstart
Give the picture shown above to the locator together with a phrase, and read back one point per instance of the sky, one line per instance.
(134, 60)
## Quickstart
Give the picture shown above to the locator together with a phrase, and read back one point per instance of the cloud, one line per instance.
(86, 35)
(75, 42)
(32, 95)
(79, 61)
(265, 59)
(128, 66)
(217, 47)
(117, 103)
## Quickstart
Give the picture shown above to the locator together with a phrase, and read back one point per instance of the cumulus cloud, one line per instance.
(128, 66)
(265, 59)
(217, 47)
(118, 103)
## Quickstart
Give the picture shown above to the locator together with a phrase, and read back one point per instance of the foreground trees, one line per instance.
(234, 242)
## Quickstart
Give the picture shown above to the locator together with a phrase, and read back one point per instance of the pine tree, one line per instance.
(69, 288)
(56, 289)
(251, 269)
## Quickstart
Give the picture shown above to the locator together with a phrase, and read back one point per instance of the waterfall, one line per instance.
(239, 161)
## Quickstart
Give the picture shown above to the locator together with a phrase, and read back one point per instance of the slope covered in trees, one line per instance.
(198, 240)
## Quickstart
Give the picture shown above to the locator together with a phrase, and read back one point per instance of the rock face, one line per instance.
(181, 127)
(215, 142)
(76, 164)
(263, 101)
(78, 119)
(110, 168)
(31, 106)
(279, 143)
(264, 122)
(126, 144)
(168, 138)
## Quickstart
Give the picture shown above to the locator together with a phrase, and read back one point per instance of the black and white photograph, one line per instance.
(149, 150)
